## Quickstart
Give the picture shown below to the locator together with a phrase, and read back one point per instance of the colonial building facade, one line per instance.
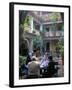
(47, 25)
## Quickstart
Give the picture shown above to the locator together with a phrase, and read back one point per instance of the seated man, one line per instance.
(33, 68)
(51, 70)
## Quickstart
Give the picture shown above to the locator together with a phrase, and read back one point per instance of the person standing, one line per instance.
(44, 63)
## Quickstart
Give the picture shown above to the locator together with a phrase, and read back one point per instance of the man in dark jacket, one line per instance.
(51, 70)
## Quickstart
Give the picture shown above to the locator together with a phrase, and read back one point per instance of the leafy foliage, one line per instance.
(37, 42)
(24, 19)
(54, 16)
(27, 21)
(60, 45)
(22, 16)
(22, 60)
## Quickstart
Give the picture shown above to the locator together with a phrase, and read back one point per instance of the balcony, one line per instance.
(54, 34)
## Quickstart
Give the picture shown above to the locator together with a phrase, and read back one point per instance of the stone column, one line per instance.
(31, 24)
(31, 45)
(41, 27)
(52, 46)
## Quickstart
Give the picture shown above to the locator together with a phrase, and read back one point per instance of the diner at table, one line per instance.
(40, 65)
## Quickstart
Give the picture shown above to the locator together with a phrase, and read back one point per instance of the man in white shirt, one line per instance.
(44, 62)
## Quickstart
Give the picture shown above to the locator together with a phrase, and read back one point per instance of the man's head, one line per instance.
(50, 58)
(46, 54)
(34, 58)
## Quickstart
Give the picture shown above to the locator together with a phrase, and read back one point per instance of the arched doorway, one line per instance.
(23, 48)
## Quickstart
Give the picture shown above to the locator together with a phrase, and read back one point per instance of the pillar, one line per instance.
(41, 27)
(31, 24)
(31, 45)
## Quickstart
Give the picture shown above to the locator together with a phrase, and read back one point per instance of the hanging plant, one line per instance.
(26, 23)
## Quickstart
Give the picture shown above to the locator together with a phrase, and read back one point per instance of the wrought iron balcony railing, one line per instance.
(53, 33)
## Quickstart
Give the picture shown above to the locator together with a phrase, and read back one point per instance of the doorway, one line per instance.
(48, 46)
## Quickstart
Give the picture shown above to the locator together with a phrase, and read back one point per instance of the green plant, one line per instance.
(60, 45)
(62, 27)
(37, 42)
(22, 60)
(54, 16)
(27, 21)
